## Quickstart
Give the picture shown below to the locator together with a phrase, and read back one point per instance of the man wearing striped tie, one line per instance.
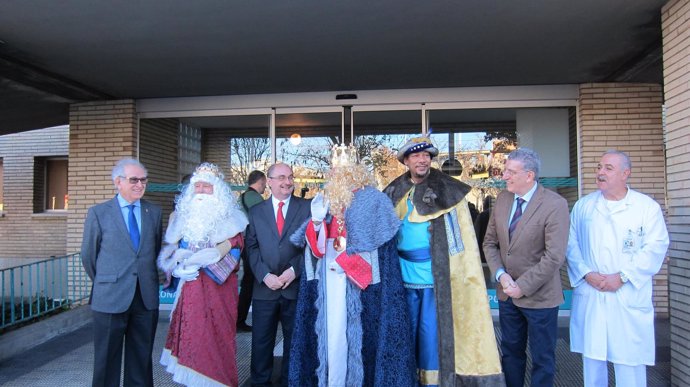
(525, 245)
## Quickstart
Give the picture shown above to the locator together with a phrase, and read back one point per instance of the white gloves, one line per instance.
(186, 273)
(180, 255)
(319, 207)
(204, 257)
(182, 271)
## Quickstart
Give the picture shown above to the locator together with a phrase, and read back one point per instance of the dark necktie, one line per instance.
(516, 217)
(133, 228)
(280, 219)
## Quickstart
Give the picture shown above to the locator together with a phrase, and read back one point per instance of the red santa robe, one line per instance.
(200, 349)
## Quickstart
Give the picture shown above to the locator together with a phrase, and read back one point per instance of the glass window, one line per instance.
(473, 144)
(378, 135)
(304, 141)
(50, 184)
(2, 186)
(244, 143)
(56, 185)
(189, 151)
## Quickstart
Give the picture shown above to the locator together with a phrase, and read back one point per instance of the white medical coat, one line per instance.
(632, 238)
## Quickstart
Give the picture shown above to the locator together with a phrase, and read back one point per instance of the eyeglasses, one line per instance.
(282, 177)
(510, 172)
(135, 180)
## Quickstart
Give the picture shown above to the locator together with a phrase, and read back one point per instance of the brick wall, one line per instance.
(675, 17)
(628, 118)
(101, 133)
(158, 152)
(25, 233)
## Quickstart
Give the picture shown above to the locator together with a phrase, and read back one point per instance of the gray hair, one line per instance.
(530, 160)
(626, 163)
(119, 168)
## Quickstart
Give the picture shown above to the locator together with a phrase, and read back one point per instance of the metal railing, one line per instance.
(36, 289)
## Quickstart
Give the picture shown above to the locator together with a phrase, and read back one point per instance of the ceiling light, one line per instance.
(295, 139)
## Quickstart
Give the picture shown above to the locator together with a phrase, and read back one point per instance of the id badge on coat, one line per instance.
(633, 240)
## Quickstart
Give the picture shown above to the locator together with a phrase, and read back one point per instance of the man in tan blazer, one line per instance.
(525, 245)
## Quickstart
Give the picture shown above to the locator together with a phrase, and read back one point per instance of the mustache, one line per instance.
(601, 178)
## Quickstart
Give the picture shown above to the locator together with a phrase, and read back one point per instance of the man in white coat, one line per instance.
(618, 242)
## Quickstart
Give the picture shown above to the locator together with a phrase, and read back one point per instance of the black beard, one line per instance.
(420, 176)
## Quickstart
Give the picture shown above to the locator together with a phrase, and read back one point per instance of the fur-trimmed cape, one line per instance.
(168, 259)
(468, 354)
(379, 336)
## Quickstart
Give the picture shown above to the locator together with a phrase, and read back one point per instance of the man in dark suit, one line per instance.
(122, 238)
(275, 262)
(256, 185)
(525, 245)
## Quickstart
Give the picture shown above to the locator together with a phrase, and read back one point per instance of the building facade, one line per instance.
(570, 125)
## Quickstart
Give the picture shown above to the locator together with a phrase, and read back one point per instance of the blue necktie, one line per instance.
(133, 228)
(516, 218)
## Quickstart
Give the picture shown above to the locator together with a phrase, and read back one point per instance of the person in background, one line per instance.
(618, 242)
(276, 263)
(121, 240)
(202, 246)
(482, 222)
(525, 246)
(256, 185)
(473, 211)
(444, 283)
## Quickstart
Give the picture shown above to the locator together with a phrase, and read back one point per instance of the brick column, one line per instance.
(628, 118)
(675, 16)
(158, 151)
(101, 133)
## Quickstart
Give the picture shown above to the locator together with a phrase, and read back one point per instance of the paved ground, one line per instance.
(67, 360)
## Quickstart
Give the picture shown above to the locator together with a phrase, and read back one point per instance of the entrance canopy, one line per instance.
(56, 53)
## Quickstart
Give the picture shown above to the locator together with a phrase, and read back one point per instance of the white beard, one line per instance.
(205, 211)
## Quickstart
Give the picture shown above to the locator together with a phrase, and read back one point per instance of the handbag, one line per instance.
(221, 270)
(356, 268)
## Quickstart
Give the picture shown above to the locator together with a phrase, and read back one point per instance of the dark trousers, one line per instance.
(136, 327)
(265, 317)
(518, 325)
(246, 290)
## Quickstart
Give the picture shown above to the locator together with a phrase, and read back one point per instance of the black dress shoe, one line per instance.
(243, 327)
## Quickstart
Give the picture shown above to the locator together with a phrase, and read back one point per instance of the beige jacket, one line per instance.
(537, 251)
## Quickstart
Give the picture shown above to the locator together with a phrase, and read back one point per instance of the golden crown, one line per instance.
(343, 156)
(207, 171)
(421, 140)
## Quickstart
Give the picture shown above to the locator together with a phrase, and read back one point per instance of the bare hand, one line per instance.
(611, 283)
(514, 291)
(595, 279)
(273, 282)
(510, 287)
(604, 282)
(287, 277)
(506, 281)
